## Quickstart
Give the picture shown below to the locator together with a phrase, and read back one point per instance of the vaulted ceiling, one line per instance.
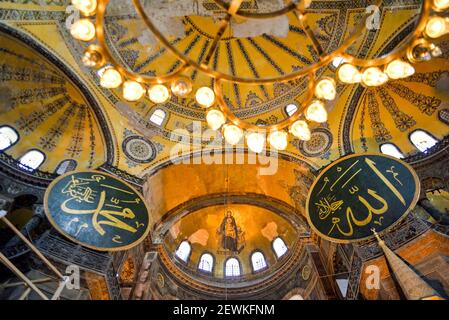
(57, 105)
(358, 121)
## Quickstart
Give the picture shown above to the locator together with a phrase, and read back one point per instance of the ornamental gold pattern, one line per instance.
(234, 9)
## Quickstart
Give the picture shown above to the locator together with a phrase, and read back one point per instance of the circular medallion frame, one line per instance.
(411, 205)
(72, 238)
(152, 151)
(328, 140)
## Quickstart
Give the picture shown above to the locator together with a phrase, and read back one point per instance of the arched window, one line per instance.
(206, 262)
(296, 297)
(158, 117)
(183, 251)
(422, 140)
(31, 160)
(391, 150)
(258, 261)
(279, 247)
(291, 109)
(8, 136)
(66, 166)
(232, 268)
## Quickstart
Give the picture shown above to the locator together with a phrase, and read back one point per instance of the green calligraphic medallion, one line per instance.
(97, 210)
(358, 193)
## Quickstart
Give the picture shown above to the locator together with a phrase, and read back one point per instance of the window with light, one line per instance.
(391, 150)
(232, 268)
(206, 262)
(422, 140)
(8, 136)
(66, 166)
(291, 109)
(258, 261)
(158, 117)
(31, 160)
(279, 247)
(183, 251)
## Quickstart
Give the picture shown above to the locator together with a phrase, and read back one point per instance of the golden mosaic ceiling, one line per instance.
(359, 121)
(47, 108)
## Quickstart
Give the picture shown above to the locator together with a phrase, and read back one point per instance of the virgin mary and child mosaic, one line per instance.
(231, 236)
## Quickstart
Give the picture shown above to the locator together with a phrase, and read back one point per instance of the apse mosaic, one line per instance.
(232, 237)
(229, 231)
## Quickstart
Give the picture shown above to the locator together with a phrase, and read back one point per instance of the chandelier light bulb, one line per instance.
(326, 89)
(436, 51)
(300, 130)
(347, 73)
(232, 134)
(132, 90)
(337, 61)
(110, 78)
(420, 51)
(83, 30)
(316, 112)
(89, 59)
(87, 7)
(255, 141)
(92, 57)
(373, 77)
(215, 119)
(440, 5)
(278, 140)
(158, 93)
(398, 69)
(436, 27)
(205, 97)
(181, 87)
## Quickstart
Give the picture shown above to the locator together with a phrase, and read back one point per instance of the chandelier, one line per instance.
(417, 47)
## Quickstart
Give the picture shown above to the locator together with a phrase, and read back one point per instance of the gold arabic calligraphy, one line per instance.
(106, 211)
(329, 206)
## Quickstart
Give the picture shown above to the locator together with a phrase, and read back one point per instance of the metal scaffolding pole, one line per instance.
(19, 273)
(32, 247)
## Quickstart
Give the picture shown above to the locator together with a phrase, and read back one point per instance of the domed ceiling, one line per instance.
(48, 110)
(360, 119)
